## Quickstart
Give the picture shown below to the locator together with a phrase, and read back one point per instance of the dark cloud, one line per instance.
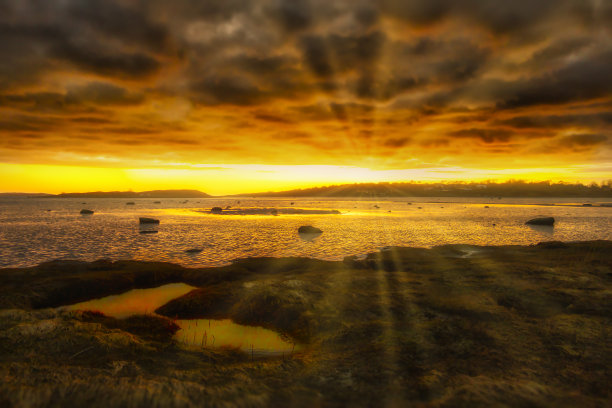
(599, 119)
(292, 15)
(484, 135)
(382, 73)
(316, 55)
(580, 142)
(500, 17)
(584, 79)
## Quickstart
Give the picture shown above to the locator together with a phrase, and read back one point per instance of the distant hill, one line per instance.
(489, 189)
(132, 194)
(25, 195)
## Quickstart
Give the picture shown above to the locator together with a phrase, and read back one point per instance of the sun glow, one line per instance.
(236, 179)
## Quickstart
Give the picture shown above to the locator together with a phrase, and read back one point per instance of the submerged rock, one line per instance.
(216, 210)
(156, 202)
(148, 232)
(309, 229)
(130, 203)
(587, 205)
(145, 220)
(86, 211)
(541, 221)
(194, 250)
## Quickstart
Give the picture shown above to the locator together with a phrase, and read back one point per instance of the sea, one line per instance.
(35, 230)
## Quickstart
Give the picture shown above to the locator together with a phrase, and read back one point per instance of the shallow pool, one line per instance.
(202, 333)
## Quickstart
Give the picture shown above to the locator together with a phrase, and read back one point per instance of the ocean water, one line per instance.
(38, 230)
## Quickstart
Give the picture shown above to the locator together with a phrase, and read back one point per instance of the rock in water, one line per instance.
(541, 221)
(86, 211)
(308, 229)
(145, 220)
(194, 250)
(148, 232)
(216, 210)
(130, 203)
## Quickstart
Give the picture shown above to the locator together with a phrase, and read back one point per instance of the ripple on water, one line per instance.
(30, 235)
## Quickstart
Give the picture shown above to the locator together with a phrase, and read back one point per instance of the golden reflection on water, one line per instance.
(134, 302)
(226, 333)
(193, 332)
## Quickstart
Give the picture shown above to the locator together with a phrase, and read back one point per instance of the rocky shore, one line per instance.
(449, 326)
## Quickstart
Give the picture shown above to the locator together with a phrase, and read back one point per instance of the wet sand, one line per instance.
(449, 326)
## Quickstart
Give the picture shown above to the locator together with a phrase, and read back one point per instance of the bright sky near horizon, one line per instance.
(237, 96)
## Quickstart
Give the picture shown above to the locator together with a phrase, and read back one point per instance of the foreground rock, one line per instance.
(541, 221)
(145, 220)
(86, 212)
(309, 229)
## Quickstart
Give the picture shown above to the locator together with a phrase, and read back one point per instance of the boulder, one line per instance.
(541, 221)
(86, 211)
(145, 220)
(130, 203)
(308, 229)
(194, 250)
(587, 205)
(156, 202)
(216, 210)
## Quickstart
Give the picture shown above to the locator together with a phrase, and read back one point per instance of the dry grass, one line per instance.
(508, 326)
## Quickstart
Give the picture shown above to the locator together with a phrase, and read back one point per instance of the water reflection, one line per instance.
(135, 301)
(258, 341)
(543, 229)
(226, 333)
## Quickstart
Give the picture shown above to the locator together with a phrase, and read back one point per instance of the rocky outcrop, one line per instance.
(145, 220)
(541, 221)
(309, 229)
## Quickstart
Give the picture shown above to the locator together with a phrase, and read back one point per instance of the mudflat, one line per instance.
(449, 326)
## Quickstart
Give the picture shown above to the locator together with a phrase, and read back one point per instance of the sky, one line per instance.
(232, 96)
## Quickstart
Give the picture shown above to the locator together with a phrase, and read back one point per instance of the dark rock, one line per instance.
(148, 232)
(156, 202)
(274, 212)
(308, 229)
(194, 250)
(145, 220)
(216, 210)
(587, 205)
(228, 207)
(486, 206)
(86, 211)
(541, 221)
(130, 203)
